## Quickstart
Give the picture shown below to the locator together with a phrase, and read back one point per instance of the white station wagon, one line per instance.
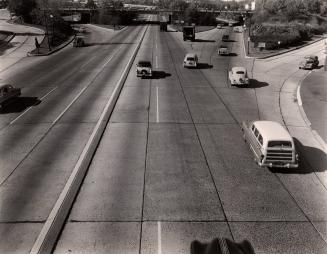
(271, 144)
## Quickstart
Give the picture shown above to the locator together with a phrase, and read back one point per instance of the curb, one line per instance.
(287, 51)
(54, 223)
(315, 134)
(54, 50)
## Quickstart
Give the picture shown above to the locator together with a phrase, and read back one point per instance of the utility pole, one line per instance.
(46, 28)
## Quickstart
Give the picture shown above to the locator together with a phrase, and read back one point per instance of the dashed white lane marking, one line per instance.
(31, 106)
(69, 105)
(159, 238)
(156, 61)
(157, 104)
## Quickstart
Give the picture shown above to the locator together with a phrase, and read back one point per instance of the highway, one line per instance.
(171, 166)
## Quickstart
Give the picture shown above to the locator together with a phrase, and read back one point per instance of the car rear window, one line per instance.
(144, 64)
(240, 72)
(190, 58)
(277, 143)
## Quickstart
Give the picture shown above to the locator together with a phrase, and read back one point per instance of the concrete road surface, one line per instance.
(172, 166)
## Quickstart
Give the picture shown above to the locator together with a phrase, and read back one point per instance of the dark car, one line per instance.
(8, 92)
(225, 37)
(309, 62)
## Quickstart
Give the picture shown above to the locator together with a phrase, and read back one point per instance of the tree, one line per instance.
(22, 8)
(91, 4)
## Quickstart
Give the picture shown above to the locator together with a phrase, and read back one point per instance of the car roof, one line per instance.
(190, 55)
(310, 56)
(272, 131)
(3, 85)
(235, 69)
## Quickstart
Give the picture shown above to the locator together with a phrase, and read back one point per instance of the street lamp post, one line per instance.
(52, 19)
(46, 29)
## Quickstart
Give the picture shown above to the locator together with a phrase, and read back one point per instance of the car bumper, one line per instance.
(279, 164)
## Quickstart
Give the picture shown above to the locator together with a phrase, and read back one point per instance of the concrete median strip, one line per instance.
(54, 223)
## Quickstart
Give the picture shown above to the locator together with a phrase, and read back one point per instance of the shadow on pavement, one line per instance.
(257, 84)
(200, 40)
(105, 43)
(204, 66)
(310, 160)
(160, 74)
(19, 104)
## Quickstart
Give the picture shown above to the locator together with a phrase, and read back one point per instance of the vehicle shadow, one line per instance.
(229, 40)
(90, 44)
(201, 40)
(319, 66)
(257, 84)
(230, 54)
(19, 104)
(311, 160)
(160, 74)
(204, 66)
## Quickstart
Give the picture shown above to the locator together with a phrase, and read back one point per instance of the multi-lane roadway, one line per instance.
(171, 166)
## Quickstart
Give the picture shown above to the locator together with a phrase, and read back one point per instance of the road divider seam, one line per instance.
(53, 225)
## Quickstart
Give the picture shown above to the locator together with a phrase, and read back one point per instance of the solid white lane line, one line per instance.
(82, 67)
(31, 106)
(159, 238)
(64, 111)
(157, 104)
(113, 55)
(156, 61)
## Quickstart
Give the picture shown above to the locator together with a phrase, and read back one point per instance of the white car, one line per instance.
(190, 60)
(238, 76)
(144, 69)
(223, 50)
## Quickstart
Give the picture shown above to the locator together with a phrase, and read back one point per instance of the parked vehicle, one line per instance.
(219, 26)
(225, 37)
(144, 69)
(8, 92)
(163, 26)
(82, 29)
(238, 29)
(79, 42)
(238, 76)
(309, 62)
(190, 60)
(271, 144)
(189, 33)
(223, 50)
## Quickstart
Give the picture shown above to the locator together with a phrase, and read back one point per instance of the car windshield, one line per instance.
(144, 64)
(278, 143)
(223, 47)
(190, 59)
(240, 72)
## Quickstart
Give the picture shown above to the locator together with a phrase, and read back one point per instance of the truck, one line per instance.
(163, 26)
(189, 33)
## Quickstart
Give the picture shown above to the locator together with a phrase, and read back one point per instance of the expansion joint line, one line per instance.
(199, 140)
(146, 153)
